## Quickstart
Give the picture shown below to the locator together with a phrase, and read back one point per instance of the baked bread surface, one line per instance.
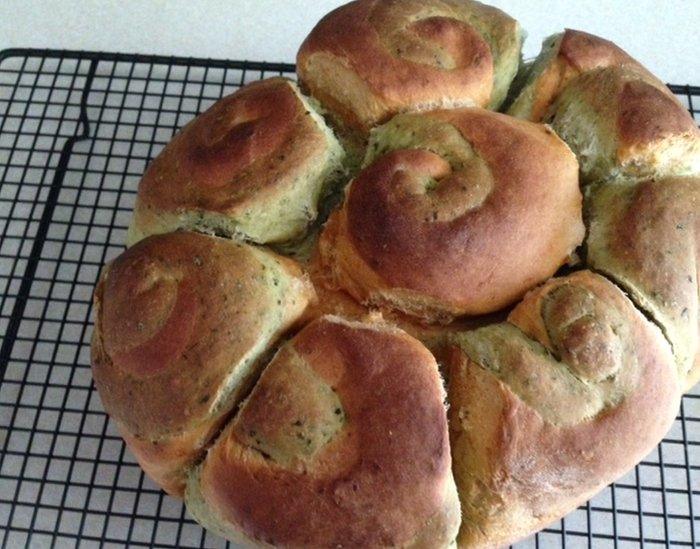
(329, 450)
(621, 126)
(457, 212)
(646, 237)
(369, 60)
(284, 425)
(254, 166)
(565, 56)
(181, 322)
(548, 408)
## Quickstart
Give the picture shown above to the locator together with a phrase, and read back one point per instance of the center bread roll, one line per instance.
(342, 443)
(458, 212)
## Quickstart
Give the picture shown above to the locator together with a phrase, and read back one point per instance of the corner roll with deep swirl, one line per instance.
(546, 409)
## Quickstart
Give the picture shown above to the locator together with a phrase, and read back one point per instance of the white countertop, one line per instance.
(662, 34)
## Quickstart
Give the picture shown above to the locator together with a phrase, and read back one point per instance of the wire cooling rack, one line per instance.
(76, 133)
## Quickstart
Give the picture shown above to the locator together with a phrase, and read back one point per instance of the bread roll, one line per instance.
(646, 237)
(549, 408)
(181, 321)
(620, 125)
(565, 56)
(369, 60)
(342, 443)
(461, 213)
(253, 166)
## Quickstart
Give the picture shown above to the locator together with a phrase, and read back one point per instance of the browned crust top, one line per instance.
(648, 235)
(585, 52)
(408, 52)
(380, 472)
(245, 146)
(580, 52)
(641, 408)
(481, 238)
(518, 470)
(174, 313)
(647, 114)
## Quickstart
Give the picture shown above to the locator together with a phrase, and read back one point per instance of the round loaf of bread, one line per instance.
(565, 56)
(254, 166)
(646, 236)
(621, 125)
(547, 409)
(369, 60)
(337, 435)
(181, 321)
(461, 213)
(342, 443)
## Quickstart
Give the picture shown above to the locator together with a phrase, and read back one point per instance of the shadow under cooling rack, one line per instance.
(76, 132)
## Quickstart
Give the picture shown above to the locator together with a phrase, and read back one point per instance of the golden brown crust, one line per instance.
(621, 126)
(247, 151)
(646, 236)
(646, 116)
(346, 432)
(368, 60)
(180, 320)
(556, 427)
(344, 439)
(583, 52)
(334, 300)
(437, 241)
(578, 53)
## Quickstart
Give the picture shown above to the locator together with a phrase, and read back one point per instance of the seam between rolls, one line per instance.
(644, 311)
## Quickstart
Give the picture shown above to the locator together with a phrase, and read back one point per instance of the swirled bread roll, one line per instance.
(565, 56)
(181, 322)
(620, 125)
(369, 59)
(549, 408)
(458, 212)
(253, 166)
(342, 442)
(646, 237)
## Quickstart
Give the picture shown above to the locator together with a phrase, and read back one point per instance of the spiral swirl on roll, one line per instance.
(369, 60)
(437, 226)
(579, 386)
(326, 429)
(253, 166)
(180, 321)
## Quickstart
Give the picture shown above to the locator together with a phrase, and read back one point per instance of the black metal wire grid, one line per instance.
(76, 133)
